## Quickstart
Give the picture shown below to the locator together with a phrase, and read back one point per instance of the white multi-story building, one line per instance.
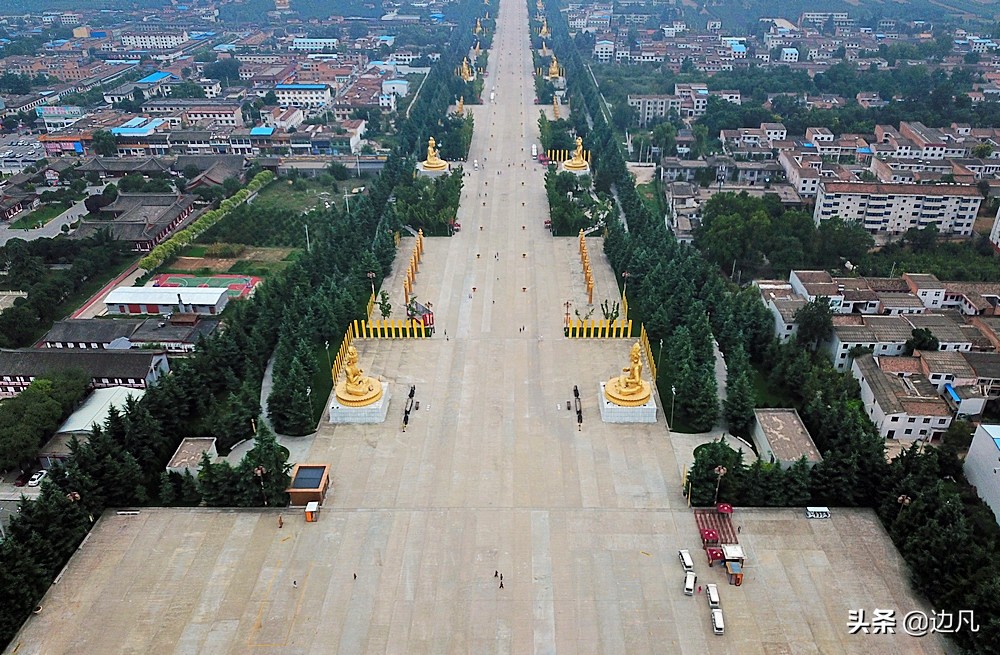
(313, 45)
(303, 95)
(154, 40)
(901, 403)
(995, 232)
(604, 51)
(895, 208)
(981, 465)
(789, 55)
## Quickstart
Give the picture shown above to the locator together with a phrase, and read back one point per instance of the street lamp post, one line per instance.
(719, 472)
(329, 364)
(625, 276)
(567, 305)
(371, 279)
(659, 356)
(673, 397)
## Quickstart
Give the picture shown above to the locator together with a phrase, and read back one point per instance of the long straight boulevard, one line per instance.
(490, 476)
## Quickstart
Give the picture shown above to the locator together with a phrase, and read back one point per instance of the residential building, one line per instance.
(303, 44)
(106, 368)
(894, 208)
(303, 95)
(899, 401)
(154, 40)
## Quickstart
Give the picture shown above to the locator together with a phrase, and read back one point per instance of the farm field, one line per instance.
(233, 259)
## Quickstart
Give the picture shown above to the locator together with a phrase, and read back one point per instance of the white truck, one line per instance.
(534, 151)
(475, 164)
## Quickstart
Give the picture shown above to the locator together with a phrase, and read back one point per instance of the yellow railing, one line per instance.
(413, 267)
(644, 340)
(556, 156)
(599, 329)
(371, 305)
(338, 362)
(409, 328)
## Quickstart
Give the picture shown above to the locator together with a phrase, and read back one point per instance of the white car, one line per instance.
(36, 478)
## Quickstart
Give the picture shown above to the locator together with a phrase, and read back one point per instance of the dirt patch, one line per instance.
(642, 173)
(267, 254)
(199, 263)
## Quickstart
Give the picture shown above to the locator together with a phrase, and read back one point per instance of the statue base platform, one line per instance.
(612, 413)
(422, 171)
(372, 413)
(585, 170)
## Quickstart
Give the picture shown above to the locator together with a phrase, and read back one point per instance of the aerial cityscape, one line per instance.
(507, 326)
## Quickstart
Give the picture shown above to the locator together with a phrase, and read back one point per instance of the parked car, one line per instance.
(22, 480)
(37, 478)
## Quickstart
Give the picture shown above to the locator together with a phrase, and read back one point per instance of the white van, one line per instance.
(475, 164)
(534, 151)
(718, 624)
(712, 593)
(686, 561)
(690, 580)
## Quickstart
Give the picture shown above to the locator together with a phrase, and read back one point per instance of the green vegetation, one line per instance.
(429, 204)
(299, 195)
(52, 293)
(39, 217)
(29, 419)
(572, 207)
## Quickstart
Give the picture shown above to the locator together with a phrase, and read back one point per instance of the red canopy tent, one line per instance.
(724, 508)
(714, 555)
(709, 536)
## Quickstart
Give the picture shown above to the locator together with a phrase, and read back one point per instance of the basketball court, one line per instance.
(240, 286)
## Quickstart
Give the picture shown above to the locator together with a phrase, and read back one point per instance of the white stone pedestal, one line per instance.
(374, 413)
(612, 413)
(423, 172)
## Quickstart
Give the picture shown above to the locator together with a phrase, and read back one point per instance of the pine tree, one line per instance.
(168, 491)
(739, 404)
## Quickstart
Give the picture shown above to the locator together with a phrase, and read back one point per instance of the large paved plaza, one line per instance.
(491, 475)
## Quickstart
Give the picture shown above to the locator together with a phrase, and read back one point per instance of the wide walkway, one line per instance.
(491, 476)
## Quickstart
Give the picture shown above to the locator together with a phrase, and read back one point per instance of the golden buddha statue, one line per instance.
(629, 389)
(555, 107)
(357, 390)
(466, 71)
(479, 27)
(578, 162)
(554, 67)
(545, 28)
(433, 161)
(460, 109)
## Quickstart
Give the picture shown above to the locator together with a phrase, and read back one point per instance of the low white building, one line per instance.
(187, 457)
(982, 465)
(782, 438)
(901, 403)
(80, 424)
(167, 300)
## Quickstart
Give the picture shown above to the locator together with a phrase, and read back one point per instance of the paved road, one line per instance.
(51, 229)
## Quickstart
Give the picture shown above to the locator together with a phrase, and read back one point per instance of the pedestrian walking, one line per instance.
(501, 584)
(699, 589)
(281, 522)
(501, 577)
(496, 574)
(355, 576)
(739, 529)
(295, 584)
